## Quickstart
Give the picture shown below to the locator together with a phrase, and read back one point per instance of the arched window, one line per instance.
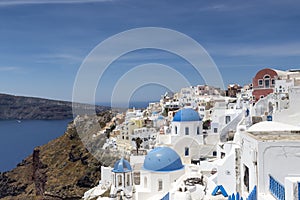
(267, 81)
(187, 130)
(198, 130)
(119, 180)
(186, 151)
(160, 185)
(128, 179)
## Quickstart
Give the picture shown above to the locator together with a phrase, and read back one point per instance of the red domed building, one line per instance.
(264, 82)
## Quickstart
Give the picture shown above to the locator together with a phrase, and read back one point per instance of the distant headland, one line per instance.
(32, 108)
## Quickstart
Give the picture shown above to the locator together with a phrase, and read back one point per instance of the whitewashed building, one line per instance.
(266, 158)
(184, 135)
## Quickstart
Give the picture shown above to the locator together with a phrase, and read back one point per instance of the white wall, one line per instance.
(106, 175)
(248, 159)
(291, 188)
(180, 143)
(182, 125)
(282, 86)
(152, 183)
(226, 172)
(279, 159)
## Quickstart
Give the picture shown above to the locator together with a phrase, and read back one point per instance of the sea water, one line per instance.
(19, 138)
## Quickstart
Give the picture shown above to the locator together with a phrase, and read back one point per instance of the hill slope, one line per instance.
(19, 107)
(61, 169)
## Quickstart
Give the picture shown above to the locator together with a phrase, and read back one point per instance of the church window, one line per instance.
(128, 179)
(187, 130)
(198, 130)
(186, 151)
(119, 180)
(160, 185)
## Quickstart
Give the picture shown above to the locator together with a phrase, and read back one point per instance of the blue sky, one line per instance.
(43, 42)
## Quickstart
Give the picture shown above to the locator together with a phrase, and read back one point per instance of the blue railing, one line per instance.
(235, 197)
(298, 190)
(253, 194)
(276, 189)
(166, 197)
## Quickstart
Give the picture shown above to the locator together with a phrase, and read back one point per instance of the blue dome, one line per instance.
(186, 114)
(162, 159)
(122, 166)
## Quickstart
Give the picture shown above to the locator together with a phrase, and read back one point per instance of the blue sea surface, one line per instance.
(19, 138)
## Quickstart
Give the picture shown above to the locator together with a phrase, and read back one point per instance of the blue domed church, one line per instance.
(162, 167)
(122, 178)
(186, 135)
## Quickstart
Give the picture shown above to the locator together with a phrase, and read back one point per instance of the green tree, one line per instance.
(138, 142)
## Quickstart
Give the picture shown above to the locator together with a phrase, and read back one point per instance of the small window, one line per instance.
(187, 130)
(227, 119)
(273, 82)
(175, 129)
(222, 155)
(128, 180)
(246, 178)
(260, 82)
(198, 130)
(215, 130)
(261, 96)
(119, 180)
(186, 151)
(160, 185)
(214, 153)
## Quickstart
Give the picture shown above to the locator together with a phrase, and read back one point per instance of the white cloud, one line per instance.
(23, 2)
(58, 57)
(8, 68)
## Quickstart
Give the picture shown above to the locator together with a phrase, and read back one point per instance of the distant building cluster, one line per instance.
(205, 143)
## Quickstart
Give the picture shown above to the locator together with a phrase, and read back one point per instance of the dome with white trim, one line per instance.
(162, 159)
(186, 114)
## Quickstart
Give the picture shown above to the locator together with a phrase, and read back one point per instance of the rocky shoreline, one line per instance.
(61, 169)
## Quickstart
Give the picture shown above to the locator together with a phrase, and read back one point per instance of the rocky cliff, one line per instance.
(19, 107)
(61, 169)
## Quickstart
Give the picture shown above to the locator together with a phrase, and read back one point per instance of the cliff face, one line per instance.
(18, 107)
(61, 169)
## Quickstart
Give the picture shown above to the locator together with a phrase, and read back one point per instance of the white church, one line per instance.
(163, 176)
(166, 172)
(184, 135)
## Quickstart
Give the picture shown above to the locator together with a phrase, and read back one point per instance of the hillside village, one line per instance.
(205, 143)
